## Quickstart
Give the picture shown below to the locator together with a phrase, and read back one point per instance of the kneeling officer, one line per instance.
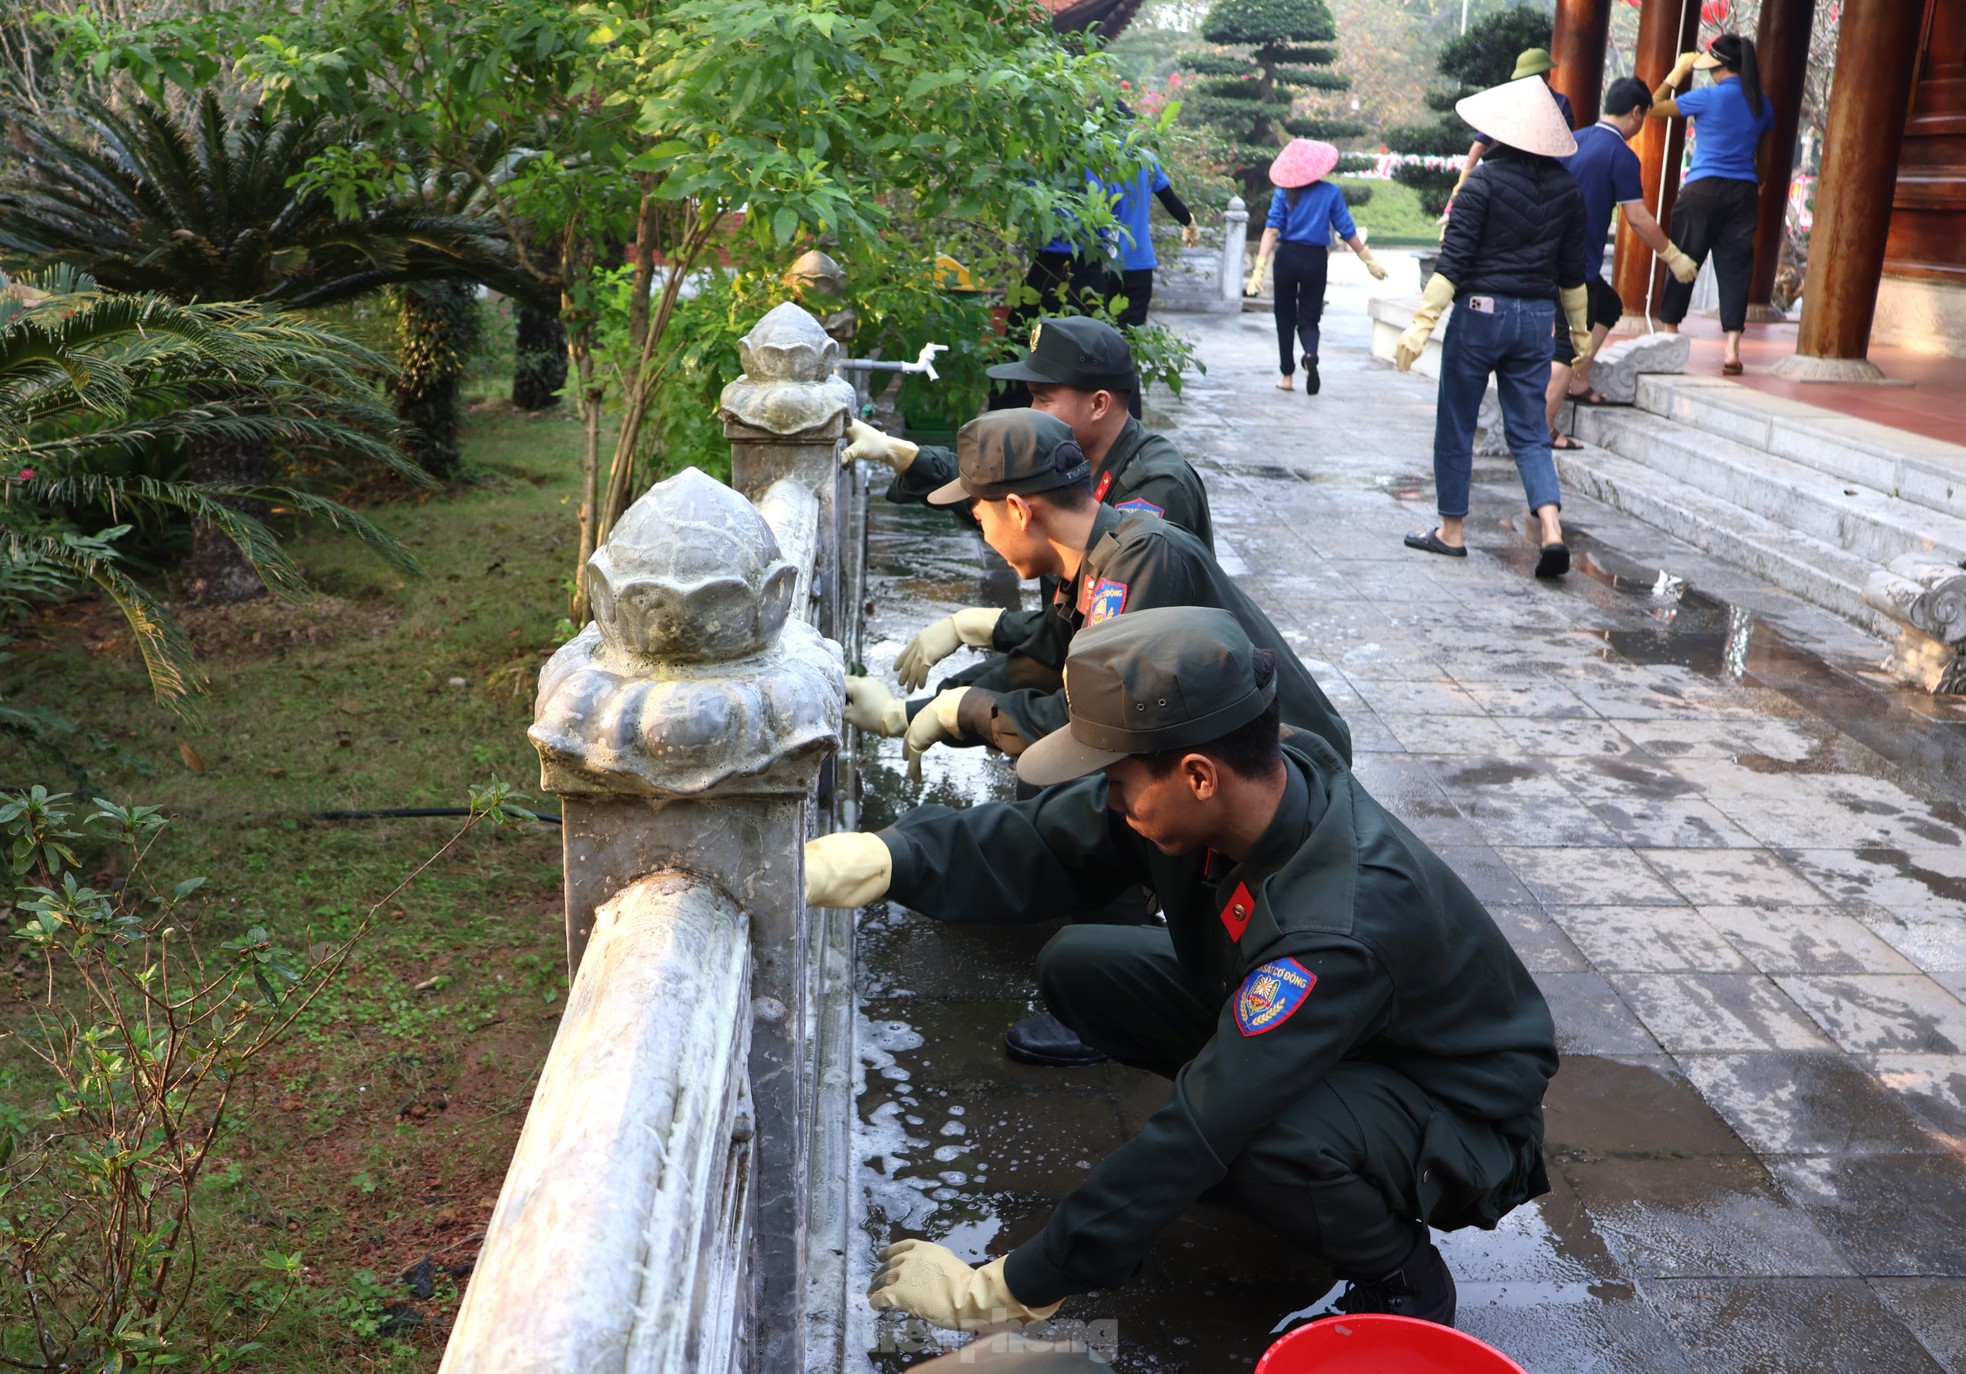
(1356, 1052)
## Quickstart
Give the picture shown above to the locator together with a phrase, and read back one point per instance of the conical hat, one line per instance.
(1303, 162)
(1522, 114)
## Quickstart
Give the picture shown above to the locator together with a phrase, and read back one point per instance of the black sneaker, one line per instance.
(1044, 1039)
(1421, 1287)
(1311, 382)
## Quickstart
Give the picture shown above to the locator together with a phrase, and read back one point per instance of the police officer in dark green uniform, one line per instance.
(1081, 371)
(1356, 1052)
(1023, 477)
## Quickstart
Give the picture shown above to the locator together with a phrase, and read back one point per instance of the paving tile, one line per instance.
(1599, 1105)
(1414, 697)
(1895, 1215)
(1700, 1216)
(1537, 940)
(1682, 823)
(1805, 939)
(1807, 1104)
(1647, 939)
(1786, 1326)
(1588, 876)
(1562, 738)
(1786, 741)
(1901, 880)
(1731, 877)
(1602, 1328)
(1935, 940)
(1538, 701)
(1590, 1018)
(1517, 801)
(1692, 1013)
(1443, 734)
(1407, 789)
(1632, 778)
(1933, 1309)
(1932, 1085)
(1486, 873)
(1868, 1013)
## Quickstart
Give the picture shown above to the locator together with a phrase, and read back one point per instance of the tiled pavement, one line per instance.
(1734, 863)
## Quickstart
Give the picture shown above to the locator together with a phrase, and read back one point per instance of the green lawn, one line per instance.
(378, 1137)
(1393, 217)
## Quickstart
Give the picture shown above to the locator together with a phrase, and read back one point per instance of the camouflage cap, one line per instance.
(1075, 351)
(1173, 677)
(1008, 451)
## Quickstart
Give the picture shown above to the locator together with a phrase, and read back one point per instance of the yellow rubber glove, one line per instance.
(972, 626)
(874, 709)
(934, 723)
(1254, 286)
(1682, 267)
(1577, 310)
(1191, 235)
(930, 1281)
(847, 870)
(1434, 300)
(1371, 263)
(864, 441)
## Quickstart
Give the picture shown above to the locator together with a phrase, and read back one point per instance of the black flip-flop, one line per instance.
(1555, 561)
(1431, 542)
(1563, 443)
(1592, 397)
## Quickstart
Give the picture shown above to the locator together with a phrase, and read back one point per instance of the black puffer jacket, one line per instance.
(1517, 229)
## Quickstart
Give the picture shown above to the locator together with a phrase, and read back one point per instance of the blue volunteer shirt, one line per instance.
(1320, 208)
(1136, 234)
(1094, 187)
(1607, 170)
(1725, 131)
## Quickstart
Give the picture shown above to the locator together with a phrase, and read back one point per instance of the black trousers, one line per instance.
(1301, 269)
(1714, 215)
(1353, 1162)
(1137, 285)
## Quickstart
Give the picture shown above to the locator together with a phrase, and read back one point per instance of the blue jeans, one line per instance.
(1514, 343)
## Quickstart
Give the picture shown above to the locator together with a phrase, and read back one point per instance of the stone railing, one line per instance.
(1207, 280)
(661, 1212)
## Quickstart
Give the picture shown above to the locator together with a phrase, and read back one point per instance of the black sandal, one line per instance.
(1431, 542)
(1555, 561)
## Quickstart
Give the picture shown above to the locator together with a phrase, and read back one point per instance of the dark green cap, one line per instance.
(1173, 677)
(1074, 351)
(1009, 451)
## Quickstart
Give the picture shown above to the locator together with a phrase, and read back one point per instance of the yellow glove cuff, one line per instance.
(1576, 308)
(1438, 294)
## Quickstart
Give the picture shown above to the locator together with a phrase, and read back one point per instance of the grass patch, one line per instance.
(1393, 217)
(375, 1140)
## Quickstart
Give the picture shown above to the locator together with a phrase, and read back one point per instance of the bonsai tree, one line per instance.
(1286, 48)
(1484, 56)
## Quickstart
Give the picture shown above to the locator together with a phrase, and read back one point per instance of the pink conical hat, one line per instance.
(1302, 163)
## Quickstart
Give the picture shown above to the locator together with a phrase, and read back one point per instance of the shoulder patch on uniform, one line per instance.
(1271, 994)
(1108, 599)
(1237, 911)
(1142, 503)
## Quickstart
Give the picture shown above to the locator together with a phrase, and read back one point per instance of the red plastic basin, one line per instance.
(1379, 1344)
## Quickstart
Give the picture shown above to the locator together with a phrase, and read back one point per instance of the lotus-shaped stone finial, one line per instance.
(690, 573)
(787, 345)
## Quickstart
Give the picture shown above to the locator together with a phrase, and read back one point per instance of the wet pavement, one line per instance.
(1732, 853)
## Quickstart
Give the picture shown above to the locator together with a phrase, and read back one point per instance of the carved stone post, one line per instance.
(1235, 244)
(784, 418)
(683, 729)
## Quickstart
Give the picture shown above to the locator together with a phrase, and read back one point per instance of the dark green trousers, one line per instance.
(1350, 1168)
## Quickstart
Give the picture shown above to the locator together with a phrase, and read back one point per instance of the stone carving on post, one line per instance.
(685, 730)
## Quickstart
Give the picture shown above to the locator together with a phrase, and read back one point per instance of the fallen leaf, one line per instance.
(191, 757)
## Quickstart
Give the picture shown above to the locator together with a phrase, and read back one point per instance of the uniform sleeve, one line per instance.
(1461, 244)
(1341, 214)
(1693, 103)
(934, 466)
(1177, 496)
(1627, 177)
(1159, 177)
(1240, 1083)
(1055, 855)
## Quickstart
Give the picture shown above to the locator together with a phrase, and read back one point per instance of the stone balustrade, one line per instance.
(656, 1214)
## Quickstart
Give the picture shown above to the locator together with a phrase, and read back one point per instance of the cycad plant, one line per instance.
(89, 377)
(211, 205)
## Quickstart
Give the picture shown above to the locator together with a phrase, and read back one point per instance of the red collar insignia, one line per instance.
(1105, 485)
(1236, 913)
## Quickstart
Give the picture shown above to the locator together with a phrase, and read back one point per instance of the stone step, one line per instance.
(1865, 522)
(1797, 563)
(1912, 467)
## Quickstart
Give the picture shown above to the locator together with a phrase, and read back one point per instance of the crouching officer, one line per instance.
(1081, 371)
(1356, 1052)
(1024, 478)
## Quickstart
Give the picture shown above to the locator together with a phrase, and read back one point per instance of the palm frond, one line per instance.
(167, 655)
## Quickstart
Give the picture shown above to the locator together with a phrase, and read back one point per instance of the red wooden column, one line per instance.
(1782, 43)
(1577, 43)
(1666, 28)
(1878, 40)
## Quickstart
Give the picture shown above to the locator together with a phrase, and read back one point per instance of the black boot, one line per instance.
(1044, 1039)
(1421, 1287)
(1310, 377)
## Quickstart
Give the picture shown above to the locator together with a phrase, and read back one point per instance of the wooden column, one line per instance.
(1662, 37)
(1577, 44)
(1878, 41)
(1782, 43)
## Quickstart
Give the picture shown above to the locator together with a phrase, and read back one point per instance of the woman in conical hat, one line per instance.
(1305, 212)
(1515, 253)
